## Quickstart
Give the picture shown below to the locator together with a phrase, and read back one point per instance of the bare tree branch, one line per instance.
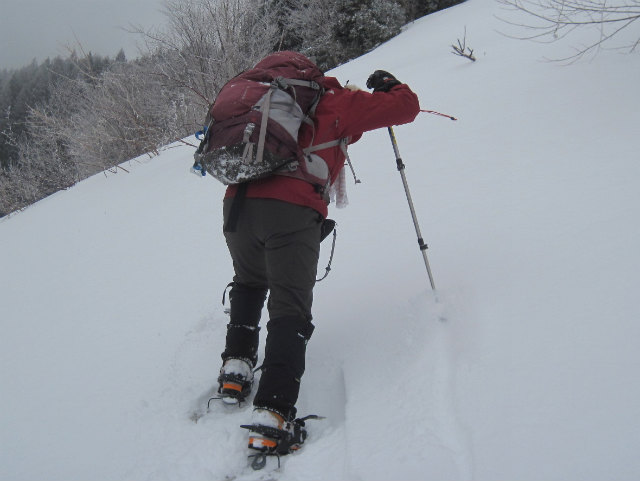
(552, 20)
(462, 50)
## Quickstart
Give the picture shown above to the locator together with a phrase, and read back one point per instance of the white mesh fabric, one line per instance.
(338, 191)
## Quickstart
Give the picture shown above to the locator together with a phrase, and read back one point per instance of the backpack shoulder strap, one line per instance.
(332, 143)
(263, 124)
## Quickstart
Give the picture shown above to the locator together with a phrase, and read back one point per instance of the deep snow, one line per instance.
(112, 324)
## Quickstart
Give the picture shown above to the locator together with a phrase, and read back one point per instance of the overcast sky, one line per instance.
(44, 28)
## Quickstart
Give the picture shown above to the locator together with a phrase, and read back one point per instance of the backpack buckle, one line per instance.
(280, 83)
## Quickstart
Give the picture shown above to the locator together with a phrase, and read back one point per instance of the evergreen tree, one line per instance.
(419, 8)
(120, 57)
(289, 38)
(363, 24)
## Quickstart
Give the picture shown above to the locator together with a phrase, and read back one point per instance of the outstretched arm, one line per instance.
(391, 103)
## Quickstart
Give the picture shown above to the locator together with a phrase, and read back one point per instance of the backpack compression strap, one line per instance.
(282, 84)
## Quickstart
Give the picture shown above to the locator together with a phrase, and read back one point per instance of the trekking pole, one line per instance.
(423, 246)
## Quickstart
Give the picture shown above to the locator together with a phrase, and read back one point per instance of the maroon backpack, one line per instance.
(252, 127)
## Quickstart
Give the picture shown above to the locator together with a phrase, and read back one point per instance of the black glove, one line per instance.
(381, 81)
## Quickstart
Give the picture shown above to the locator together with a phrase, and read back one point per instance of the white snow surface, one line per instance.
(523, 367)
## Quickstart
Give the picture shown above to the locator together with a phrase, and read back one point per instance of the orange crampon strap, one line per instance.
(256, 442)
(233, 386)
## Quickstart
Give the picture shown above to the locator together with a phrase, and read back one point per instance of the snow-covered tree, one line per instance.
(363, 24)
(209, 41)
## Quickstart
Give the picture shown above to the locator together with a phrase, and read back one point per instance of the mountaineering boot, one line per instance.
(241, 343)
(235, 380)
(271, 434)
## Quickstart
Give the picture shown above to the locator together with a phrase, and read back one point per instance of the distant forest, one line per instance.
(65, 119)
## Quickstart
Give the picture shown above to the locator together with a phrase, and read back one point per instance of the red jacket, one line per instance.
(340, 113)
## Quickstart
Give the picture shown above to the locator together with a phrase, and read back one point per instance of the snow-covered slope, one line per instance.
(111, 322)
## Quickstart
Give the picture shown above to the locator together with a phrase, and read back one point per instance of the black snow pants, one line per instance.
(274, 246)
